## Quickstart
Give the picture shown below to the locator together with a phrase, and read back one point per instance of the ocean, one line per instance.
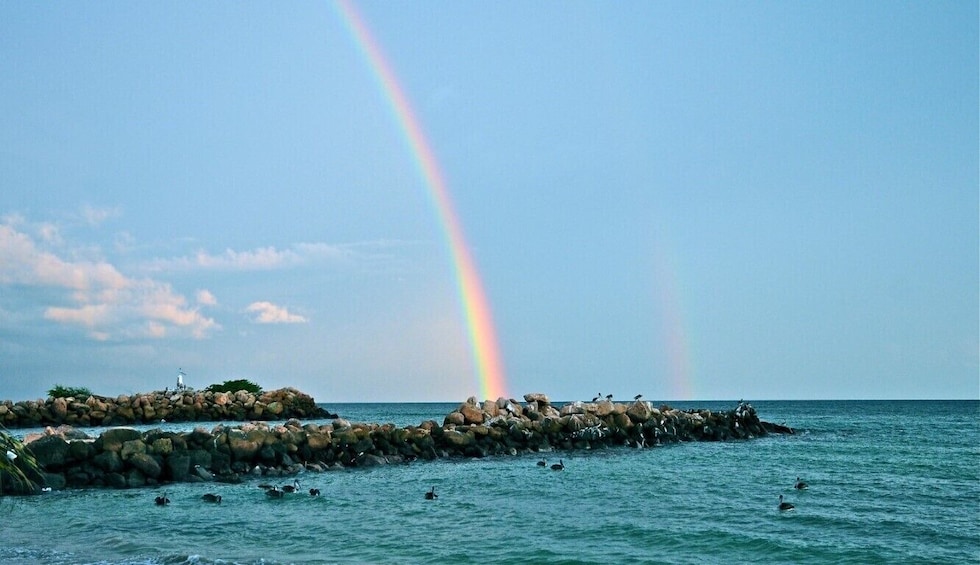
(889, 482)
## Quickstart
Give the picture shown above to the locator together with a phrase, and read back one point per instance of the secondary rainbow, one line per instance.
(476, 309)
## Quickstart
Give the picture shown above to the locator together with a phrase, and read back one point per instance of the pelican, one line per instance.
(637, 397)
(314, 492)
(431, 495)
(800, 485)
(274, 492)
(542, 463)
(785, 505)
(608, 397)
(209, 497)
(293, 487)
(162, 500)
(559, 466)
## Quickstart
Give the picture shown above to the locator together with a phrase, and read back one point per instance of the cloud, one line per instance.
(259, 259)
(269, 313)
(101, 299)
(95, 216)
(205, 298)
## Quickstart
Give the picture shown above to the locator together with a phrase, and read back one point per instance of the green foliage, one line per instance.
(65, 391)
(235, 386)
(17, 462)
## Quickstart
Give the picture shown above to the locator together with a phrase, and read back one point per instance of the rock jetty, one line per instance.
(128, 458)
(153, 407)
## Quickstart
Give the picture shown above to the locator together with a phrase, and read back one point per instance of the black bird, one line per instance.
(314, 492)
(542, 463)
(597, 397)
(608, 397)
(785, 505)
(559, 466)
(637, 397)
(431, 495)
(293, 487)
(162, 500)
(265, 486)
(208, 497)
(800, 485)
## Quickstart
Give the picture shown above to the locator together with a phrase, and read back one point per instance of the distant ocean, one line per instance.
(889, 482)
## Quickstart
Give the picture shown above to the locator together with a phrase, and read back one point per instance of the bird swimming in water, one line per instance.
(209, 497)
(559, 466)
(293, 487)
(314, 492)
(162, 500)
(265, 486)
(542, 463)
(785, 505)
(800, 485)
(431, 495)
(274, 492)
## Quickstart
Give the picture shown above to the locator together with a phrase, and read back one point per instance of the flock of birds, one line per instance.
(274, 491)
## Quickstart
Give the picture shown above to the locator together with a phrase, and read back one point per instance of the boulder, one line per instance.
(113, 439)
(51, 452)
(471, 414)
(146, 465)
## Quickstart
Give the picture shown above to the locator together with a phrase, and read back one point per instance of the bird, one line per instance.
(431, 495)
(209, 497)
(800, 485)
(293, 487)
(314, 492)
(637, 397)
(162, 500)
(559, 466)
(608, 397)
(597, 397)
(274, 492)
(785, 505)
(265, 486)
(542, 463)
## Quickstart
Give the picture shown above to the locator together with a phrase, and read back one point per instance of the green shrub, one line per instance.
(235, 386)
(65, 391)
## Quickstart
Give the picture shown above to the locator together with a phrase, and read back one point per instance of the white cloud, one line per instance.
(269, 313)
(103, 300)
(259, 259)
(95, 216)
(205, 298)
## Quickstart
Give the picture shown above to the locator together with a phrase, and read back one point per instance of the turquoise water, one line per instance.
(890, 482)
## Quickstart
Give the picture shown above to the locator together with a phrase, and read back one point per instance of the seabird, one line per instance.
(431, 494)
(608, 397)
(162, 500)
(209, 497)
(800, 485)
(785, 505)
(559, 466)
(274, 492)
(542, 463)
(266, 486)
(293, 487)
(637, 397)
(314, 492)
(597, 397)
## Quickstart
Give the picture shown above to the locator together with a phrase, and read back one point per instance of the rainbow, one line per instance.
(476, 309)
(679, 368)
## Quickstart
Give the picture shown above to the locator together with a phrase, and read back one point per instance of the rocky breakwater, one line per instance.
(125, 458)
(152, 407)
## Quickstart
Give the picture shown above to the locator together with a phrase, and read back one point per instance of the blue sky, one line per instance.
(724, 200)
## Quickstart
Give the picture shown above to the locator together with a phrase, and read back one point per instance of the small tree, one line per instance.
(235, 386)
(66, 391)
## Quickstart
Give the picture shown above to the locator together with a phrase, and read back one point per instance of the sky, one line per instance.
(408, 202)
